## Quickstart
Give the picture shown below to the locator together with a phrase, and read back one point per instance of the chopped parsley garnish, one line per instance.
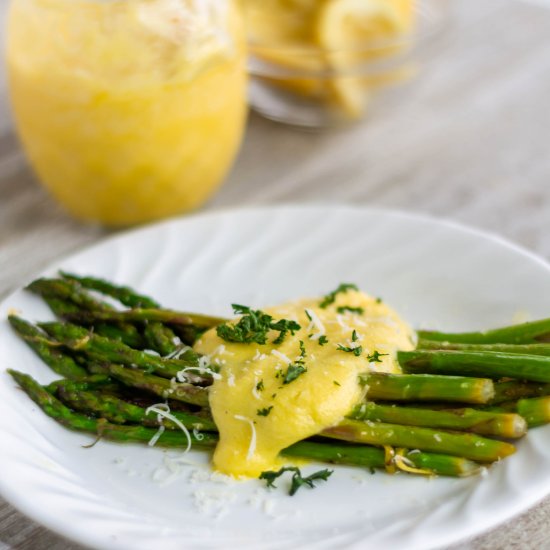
(378, 300)
(356, 351)
(254, 326)
(336, 383)
(343, 309)
(297, 479)
(260, 385)
(322, 340)
(265, 411)
(331, 296)
(294, 370)
(375, 357)
(297, 368)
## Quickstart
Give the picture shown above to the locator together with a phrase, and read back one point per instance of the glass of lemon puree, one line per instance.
(129, 110)
(319, 62)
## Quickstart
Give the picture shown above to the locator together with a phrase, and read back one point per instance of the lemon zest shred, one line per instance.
(404, 464)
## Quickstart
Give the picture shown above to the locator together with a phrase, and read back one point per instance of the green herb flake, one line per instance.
(356, 351)
(378, 300)
(293, 372)
(331, 296)
(297, 479)
(343, 309)
(254, 326)
(265, 411)
(297, 368)
(322, 340)
(375, 357)
(336, 383)
(260, 386)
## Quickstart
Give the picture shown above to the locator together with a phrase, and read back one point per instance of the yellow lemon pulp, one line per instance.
(329, 36)
(258, 414)
(130, 110)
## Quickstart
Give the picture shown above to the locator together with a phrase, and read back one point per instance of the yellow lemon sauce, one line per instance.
(129, 110)
(258, 414)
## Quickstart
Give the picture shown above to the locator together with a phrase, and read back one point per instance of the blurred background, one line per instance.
(466, 139)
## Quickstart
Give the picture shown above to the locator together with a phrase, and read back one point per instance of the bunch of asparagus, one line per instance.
(459, 397)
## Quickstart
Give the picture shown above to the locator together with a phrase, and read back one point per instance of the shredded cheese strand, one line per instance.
(252, 446)
(164, 413)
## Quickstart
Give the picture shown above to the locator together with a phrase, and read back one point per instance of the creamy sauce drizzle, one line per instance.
(252, 378)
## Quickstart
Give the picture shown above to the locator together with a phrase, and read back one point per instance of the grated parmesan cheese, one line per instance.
(252, 446)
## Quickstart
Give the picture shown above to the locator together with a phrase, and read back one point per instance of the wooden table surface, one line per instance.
(468, 140)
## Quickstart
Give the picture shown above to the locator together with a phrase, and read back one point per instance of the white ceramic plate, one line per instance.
(435, 273)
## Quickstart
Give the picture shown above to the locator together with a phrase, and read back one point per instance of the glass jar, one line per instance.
(318, 63)
(129, 110)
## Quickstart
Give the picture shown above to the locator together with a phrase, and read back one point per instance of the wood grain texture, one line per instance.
(468, 140)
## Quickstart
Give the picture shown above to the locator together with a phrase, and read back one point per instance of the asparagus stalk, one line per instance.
(536, 410)
(159, 337)
(65, 416)
(124, 294)
(466, 445)
(374, 457)
(481, 422)
(512, 390)
(470, 363)
(188, 393)
(101, 349)
(523, 349)
(67, 297)
(348, 454)
(425, 387)
(119, 411)
(48, 350)
(167, 316)
(60, 290)
(91, 382)
(534, 332)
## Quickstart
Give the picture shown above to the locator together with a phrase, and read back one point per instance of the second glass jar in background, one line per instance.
(318, 63)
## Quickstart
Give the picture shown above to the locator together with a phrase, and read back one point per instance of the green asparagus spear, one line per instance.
(471, 420)
(65, 416)
(536, 410)
(102, 349)
(188, 393)
(49, 351)
(465, 445)
(425, 387)
(159, 338)
(513, 390)
(67, 297)
(91, 382)
(470, 363)
(373, 457)
(67, 291)
(124, 294)
(534, 332)
(523, 349)
(349, 454)
(167, 316)
(119, 411)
